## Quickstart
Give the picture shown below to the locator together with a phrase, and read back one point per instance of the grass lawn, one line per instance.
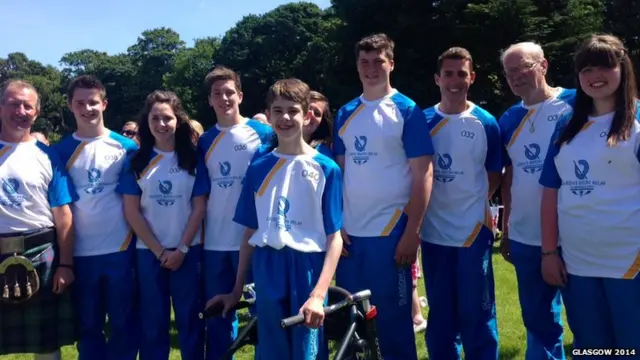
(511, 330)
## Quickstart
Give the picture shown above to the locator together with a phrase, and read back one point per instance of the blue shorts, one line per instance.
(370, 264)
(603, 313)
(284, 280)
(461, 297)
(159, 289)
(105, 285)
(540, 302)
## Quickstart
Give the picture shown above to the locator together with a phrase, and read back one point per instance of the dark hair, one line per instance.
(85, 82)
(185, 136)
(290, 89)
(323, 133)
(376, 42)
(604, 51)
(222, 73)
(456, 53)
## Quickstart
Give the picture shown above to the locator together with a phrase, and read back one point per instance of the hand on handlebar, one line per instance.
(228, 301)
(313, 311)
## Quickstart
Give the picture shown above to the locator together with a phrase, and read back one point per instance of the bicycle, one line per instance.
(349, 321)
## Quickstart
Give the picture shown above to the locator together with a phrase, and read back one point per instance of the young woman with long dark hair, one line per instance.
(165, 193)
(591, 201)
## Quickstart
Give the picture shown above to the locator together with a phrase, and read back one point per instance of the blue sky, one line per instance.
(47, 29)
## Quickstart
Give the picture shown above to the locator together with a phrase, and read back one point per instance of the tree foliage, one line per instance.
(317, 46)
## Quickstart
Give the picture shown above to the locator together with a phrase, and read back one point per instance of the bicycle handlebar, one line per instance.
(216, 310)
(351, 299)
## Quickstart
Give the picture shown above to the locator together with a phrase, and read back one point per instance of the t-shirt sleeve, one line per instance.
(549, 176)
(127, 182)
(415, 134)
(506, 160)
(202, 185)
(61, 190)
(246, 214)
(332, 199)
(493, 161)
(338, 144)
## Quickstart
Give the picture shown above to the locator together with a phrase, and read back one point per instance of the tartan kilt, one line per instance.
(46, 321)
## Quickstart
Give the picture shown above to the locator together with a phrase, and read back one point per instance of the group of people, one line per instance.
(101, 225)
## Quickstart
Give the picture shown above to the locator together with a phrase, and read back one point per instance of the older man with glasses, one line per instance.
(526, 130)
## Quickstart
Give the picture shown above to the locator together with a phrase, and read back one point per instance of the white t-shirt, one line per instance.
(467, 147)
(165, 192)
(526, 131)
(377, 139)
(33, 180)
(598, 199)
(227, 153)
(293, 201)
(95, 165)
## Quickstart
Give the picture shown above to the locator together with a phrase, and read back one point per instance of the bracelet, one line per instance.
(548, 253)
(66, 266)
(161, 253)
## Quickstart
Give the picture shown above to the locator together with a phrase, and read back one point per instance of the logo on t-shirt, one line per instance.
(361, 155)
(10, 195)
(225, 180)
(165, 198)
(95, 184)
(443, 172)
(534, 162)
(281, 219)
(583, 185)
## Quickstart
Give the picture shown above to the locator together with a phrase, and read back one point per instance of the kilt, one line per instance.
(46, 321)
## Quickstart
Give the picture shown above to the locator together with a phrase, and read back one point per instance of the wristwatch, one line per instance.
(183, 249)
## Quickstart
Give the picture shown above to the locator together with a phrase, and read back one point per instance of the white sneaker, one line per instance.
(420, 327)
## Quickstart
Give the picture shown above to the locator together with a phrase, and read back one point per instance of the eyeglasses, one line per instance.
(129, 133)
(520, 69)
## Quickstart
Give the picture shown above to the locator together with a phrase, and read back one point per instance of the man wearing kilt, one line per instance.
(36, 238)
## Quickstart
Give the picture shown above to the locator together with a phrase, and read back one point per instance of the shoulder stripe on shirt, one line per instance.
(127, 241)
(75, 154)
(151, 164)
(348, 121)
(634, 269)
(270, 175)
(519, 128)
(4, 149)
(439, 127)
(213, 145)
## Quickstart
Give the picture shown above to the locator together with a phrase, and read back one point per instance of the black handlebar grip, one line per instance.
(292, 321)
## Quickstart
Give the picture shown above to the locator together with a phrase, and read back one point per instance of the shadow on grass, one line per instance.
(509, 353)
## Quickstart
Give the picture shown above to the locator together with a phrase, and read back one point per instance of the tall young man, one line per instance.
(36, 230)
(228, 149)
(526, 130)
(104, 258)
(457, 231)
(382, 138)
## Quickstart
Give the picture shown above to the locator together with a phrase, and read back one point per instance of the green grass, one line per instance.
(511, 331)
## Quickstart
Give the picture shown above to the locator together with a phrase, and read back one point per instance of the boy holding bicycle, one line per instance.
(291, 205)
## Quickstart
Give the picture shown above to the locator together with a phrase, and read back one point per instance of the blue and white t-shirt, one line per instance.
(377, 139)
(293, 201)
(227, 153)
(95, 165)
(165, 192)
(598, 199)
(467, 147)
(33, 180)
(526, 131)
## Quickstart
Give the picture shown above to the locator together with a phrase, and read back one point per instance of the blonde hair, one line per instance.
(197, 126)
